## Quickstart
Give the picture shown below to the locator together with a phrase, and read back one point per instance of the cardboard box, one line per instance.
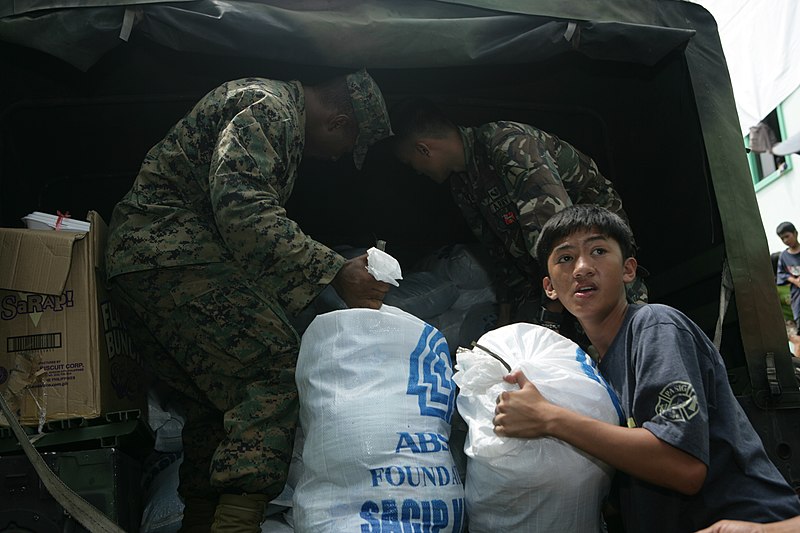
(64, 353)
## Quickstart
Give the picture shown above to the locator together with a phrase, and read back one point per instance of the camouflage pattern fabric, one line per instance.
(518, 177)
(227, 352)
(213, 191)
(370, 111)
(205, 265)
(636, 290)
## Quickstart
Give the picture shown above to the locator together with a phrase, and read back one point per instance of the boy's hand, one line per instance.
(734, 526)
(523, 413)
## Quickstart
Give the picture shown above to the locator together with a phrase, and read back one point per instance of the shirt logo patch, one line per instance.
(509, 218)
(677, 402)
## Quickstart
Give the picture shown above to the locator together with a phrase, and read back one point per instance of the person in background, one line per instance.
(689, 456)
(508, 179)
(207, 269)
(785, 299)
(788, 269)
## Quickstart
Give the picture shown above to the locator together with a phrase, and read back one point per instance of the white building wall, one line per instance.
(779, 201)
(761, 42)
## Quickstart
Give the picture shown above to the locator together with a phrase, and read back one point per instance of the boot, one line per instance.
(198, 514)
(239, 513)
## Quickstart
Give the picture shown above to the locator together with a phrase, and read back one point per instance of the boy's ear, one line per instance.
(629, 269)
(549, 290)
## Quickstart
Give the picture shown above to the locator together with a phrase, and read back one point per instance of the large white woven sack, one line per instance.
(376, 400)
(532, 485)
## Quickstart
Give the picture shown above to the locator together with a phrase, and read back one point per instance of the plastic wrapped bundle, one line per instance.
(540, 484)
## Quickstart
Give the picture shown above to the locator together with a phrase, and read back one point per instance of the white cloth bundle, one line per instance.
(539, 484)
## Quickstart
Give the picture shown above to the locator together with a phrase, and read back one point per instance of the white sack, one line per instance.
(163, 508)
(541, 484)
(284, 499)
(376, 400)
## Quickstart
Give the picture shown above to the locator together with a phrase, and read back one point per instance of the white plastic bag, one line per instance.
(383, 266)
(376, 400)
(539, 484)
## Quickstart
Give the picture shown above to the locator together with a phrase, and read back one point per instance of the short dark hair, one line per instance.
(418, 117)
(335, 95)
(583, 217)
(783, 227)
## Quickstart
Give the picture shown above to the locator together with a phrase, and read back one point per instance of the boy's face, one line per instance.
(587, 273)
(789, 238)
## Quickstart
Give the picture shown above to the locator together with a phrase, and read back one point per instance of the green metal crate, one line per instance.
(107, 478)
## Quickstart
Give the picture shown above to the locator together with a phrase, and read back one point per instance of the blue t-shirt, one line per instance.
(671, 380)
(789, 265)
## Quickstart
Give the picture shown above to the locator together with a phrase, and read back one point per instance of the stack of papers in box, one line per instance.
(39, 220)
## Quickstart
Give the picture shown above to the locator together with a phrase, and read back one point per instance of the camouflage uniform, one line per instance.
(206, 266)
(517, 177)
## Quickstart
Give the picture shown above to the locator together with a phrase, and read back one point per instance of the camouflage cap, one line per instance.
(370, 111)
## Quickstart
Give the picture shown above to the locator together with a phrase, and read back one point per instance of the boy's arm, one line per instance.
(525, 413)
(736, 526)
(783, 276)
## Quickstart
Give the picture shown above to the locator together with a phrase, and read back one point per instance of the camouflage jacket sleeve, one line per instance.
(248, 183)
(532, 163)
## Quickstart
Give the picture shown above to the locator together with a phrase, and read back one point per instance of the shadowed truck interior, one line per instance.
(659, 122)
(73, 141)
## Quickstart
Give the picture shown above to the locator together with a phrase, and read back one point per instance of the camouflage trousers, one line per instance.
(227, 354)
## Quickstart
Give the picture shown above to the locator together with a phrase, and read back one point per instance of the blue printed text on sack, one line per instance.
(422, 442)
(412, 516)
(414, 476)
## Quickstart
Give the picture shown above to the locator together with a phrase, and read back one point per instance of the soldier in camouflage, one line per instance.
(508, 179)
(207, 269)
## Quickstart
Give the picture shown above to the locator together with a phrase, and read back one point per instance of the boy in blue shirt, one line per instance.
(788, 271)
(688, 456)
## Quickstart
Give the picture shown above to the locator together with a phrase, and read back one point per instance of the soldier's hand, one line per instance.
(356, 286)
